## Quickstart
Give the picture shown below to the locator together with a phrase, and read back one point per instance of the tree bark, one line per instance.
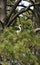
(2, 10)
(37, 17)
(2, 14)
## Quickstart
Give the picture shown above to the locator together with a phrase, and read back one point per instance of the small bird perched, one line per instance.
(18, 31)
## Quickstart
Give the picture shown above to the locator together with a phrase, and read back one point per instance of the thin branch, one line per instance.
(22, 11)
(14, 7)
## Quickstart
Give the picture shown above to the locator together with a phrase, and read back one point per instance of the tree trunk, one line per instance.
(37, 18)
(2, 10)
(2, 13)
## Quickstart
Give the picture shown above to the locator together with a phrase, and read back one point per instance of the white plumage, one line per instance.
(18, 31)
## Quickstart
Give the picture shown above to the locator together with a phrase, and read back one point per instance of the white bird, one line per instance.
(18, 31)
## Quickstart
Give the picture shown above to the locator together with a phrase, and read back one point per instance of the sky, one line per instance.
(25, 3)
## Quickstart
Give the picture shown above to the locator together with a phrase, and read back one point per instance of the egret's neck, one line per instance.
(20, 28)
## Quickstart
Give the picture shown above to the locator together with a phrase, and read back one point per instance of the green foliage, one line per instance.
(19, 47)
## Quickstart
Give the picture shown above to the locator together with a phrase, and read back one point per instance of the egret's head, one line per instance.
(19, 25)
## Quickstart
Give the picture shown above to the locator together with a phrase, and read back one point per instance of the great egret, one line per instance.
(18, 31)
